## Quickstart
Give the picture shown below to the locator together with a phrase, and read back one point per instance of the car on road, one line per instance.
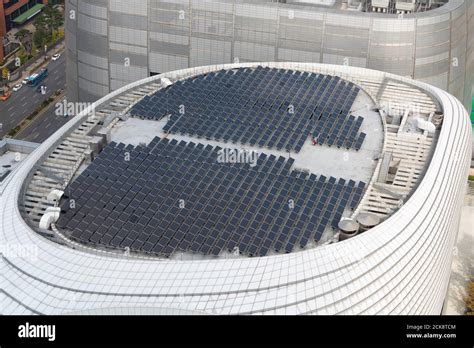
(4, 93)
(17, 87)
(25, 81)
(56, 57)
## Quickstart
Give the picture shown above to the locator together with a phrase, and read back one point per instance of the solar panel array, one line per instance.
(272, 108)
(175, 196)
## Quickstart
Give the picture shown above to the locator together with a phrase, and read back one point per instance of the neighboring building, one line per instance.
(16, 12)
(97, 206)
(113, 43)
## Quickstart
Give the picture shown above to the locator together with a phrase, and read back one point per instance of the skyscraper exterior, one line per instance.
(113, 43)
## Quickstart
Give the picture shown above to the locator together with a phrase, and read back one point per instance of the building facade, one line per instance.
(11, 10)
(113, 43)
(401, 266)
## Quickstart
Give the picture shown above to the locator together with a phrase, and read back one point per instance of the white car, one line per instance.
(25, 81)
(56, 57)
(16, 88)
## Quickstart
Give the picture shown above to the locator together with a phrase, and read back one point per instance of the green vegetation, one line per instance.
(471, 177)
(472, 113)
(22, 34)
(47, 25)
(48, 31)
(5, 73)
(14, 131)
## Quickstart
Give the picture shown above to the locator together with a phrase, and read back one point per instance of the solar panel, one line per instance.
(264, 107)
(173, 197)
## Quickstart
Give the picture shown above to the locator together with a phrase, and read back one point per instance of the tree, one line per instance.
(47, 24)
(23, 55)
(41, 38)
(51, 19)
(40, 22)
(5, 73)
(55, 18)
(24, 37)
(22, 34)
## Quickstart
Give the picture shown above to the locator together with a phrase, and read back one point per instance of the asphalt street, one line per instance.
(43, 126)
(22, 103)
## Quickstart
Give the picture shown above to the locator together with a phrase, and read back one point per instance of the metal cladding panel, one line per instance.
(91, 8)
(402, 67)
(260, 31)
(130, 7)
(128, 21)
(210, 51)
(93, 60)
(293, 55)
(71, 68)
(95, 75)
(162, 62)
(120, 57)
(440, 81)
(253, 52)
(71, 49)
(89, 88)
(93, 25)
(127, 73)
(402, 266)
(346, 39)
(92, 43)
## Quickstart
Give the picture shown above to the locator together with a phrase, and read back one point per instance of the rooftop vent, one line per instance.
(367, 221)
(348, 228)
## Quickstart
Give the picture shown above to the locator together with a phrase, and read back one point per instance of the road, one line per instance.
(43, 126)
(22, 103)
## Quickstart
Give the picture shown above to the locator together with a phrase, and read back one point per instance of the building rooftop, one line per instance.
(369, 6)
(318, 144)
(12, 153)
(372, 271)
(294, 126)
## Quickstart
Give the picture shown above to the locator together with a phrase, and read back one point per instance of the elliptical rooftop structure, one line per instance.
(131, 207)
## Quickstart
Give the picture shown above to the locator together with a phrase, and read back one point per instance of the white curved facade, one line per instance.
(401, 266)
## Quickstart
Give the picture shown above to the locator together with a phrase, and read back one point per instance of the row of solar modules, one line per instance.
(175, 197)
(343, 133)
(186, 89)
(280, 99)
(266, 107)
(280, 138)
(211, 130)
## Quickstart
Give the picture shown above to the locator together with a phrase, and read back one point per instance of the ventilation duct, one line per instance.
(367, 221)
(348, 228)
(166, 82)
(51, 216)
(55, 196)
(426, 126)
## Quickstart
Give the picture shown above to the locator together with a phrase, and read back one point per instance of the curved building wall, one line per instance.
(402, 266)
(112, 43)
